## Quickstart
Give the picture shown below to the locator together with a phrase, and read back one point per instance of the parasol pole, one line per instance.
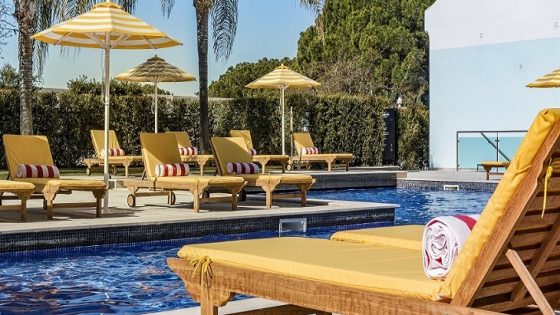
(282, 89)
(291, 130)
(155, 104)
(106, 131)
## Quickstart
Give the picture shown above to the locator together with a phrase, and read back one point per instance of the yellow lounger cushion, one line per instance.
(245, 134)
(183, 139)
(8, 185)
(98, 137)
(323, 156)
(71, 184)
(273, 157)
(284, 179)
(403, 236)
(211, 180)
(376, 268)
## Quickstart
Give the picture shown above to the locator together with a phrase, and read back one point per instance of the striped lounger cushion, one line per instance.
(310, 150)
(252, 152)
(175, 169)
(442, 241)
(113, 152)
(37, 171)
(242, 168)
(187, 151)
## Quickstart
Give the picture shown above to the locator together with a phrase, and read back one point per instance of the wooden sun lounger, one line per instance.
(114, 161)
(233, 149)
(162, 149)
(509, 263)
(303, 140)
(22, 192)
(36, 150)
(262, 159)
(183, 140)
(489, 165)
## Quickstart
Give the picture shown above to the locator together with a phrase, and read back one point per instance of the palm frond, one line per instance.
(167, 6)
(224, 27)
(44, 17)
(314, 5)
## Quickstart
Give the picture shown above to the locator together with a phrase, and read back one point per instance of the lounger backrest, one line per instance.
(97, 137)
(302, 140)
(229, 149)
(482, 276)
(183, 139)
(158, 148)
(245, 134)
(26, 150)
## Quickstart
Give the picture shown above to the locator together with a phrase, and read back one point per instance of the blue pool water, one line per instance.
(134, 278)
(417, 206)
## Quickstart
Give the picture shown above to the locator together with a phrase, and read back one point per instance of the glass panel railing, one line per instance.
(474, 147)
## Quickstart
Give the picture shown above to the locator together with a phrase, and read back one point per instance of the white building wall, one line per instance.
(482, 54)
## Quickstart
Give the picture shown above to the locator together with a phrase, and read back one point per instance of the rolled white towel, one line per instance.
(442, 241)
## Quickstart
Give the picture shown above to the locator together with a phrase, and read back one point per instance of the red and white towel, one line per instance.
(113, 152)
(242, 168)
(187, 151)
(310, 150)
(175, 169)
(252, 152)
(442, 241)
(37, 171)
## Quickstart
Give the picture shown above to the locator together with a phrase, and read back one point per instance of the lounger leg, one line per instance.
(268, 191)
(23, 206)
(303, 190)
(329, 166)
(126, 166)
(196, 201)
(206, 305)
(263, 167)
(347, 166)
(49, 199)
(201, 166)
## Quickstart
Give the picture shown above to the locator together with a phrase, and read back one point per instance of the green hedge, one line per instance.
(337, 123)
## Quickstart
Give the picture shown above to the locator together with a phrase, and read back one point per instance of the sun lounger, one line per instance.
(22, 191)
(35, 150)
(99, 145)
(234, 150)
(303, 140)
(489, 165)
(508, 264)
(262, 159)
(184, 141)
(162, 149)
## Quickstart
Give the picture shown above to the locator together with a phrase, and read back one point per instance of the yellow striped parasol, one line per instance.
(551, 80)
(106, 26)
(283, 78)
(155, 70)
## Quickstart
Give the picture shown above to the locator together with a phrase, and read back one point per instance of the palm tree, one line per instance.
(32, 16)
(224, 26)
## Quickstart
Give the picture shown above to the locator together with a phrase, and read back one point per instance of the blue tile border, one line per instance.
(438, 184)
(163, 231)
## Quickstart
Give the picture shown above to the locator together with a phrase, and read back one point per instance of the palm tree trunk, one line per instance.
(202, 12)
(24, 13)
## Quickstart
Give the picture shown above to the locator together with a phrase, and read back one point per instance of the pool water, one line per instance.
(417, 206)
(134, 278)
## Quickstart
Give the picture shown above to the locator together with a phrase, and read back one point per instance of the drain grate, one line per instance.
(292, 226)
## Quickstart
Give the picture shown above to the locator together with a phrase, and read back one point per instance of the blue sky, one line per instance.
(267, 28)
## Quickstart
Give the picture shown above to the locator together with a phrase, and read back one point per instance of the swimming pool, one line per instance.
(134, 278)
